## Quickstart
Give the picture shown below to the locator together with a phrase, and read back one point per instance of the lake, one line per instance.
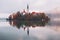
(21, 30)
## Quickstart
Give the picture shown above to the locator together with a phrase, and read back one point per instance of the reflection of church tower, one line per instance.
(28, 30)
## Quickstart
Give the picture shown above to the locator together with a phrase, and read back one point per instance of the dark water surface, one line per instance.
(21, 30)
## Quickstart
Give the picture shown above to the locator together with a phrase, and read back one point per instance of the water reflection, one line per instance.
(30, 30)
(27, 24)
(33, 24)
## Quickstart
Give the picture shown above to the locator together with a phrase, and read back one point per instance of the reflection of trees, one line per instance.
(27, 24)
(19, 24)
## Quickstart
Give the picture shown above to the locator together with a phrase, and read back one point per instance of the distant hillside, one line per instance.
(52, 15)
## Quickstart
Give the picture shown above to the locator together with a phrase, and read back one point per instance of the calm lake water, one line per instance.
(17, 30)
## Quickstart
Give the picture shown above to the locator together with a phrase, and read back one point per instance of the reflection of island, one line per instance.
(27, 24)
(19, 24)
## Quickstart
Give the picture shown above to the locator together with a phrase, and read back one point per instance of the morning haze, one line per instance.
(29, 19)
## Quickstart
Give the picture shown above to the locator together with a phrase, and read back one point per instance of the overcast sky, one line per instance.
(10, 6)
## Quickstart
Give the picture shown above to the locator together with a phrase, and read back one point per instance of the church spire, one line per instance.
(27, 8)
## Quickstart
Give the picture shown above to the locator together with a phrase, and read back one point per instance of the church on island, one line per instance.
(28, 16)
